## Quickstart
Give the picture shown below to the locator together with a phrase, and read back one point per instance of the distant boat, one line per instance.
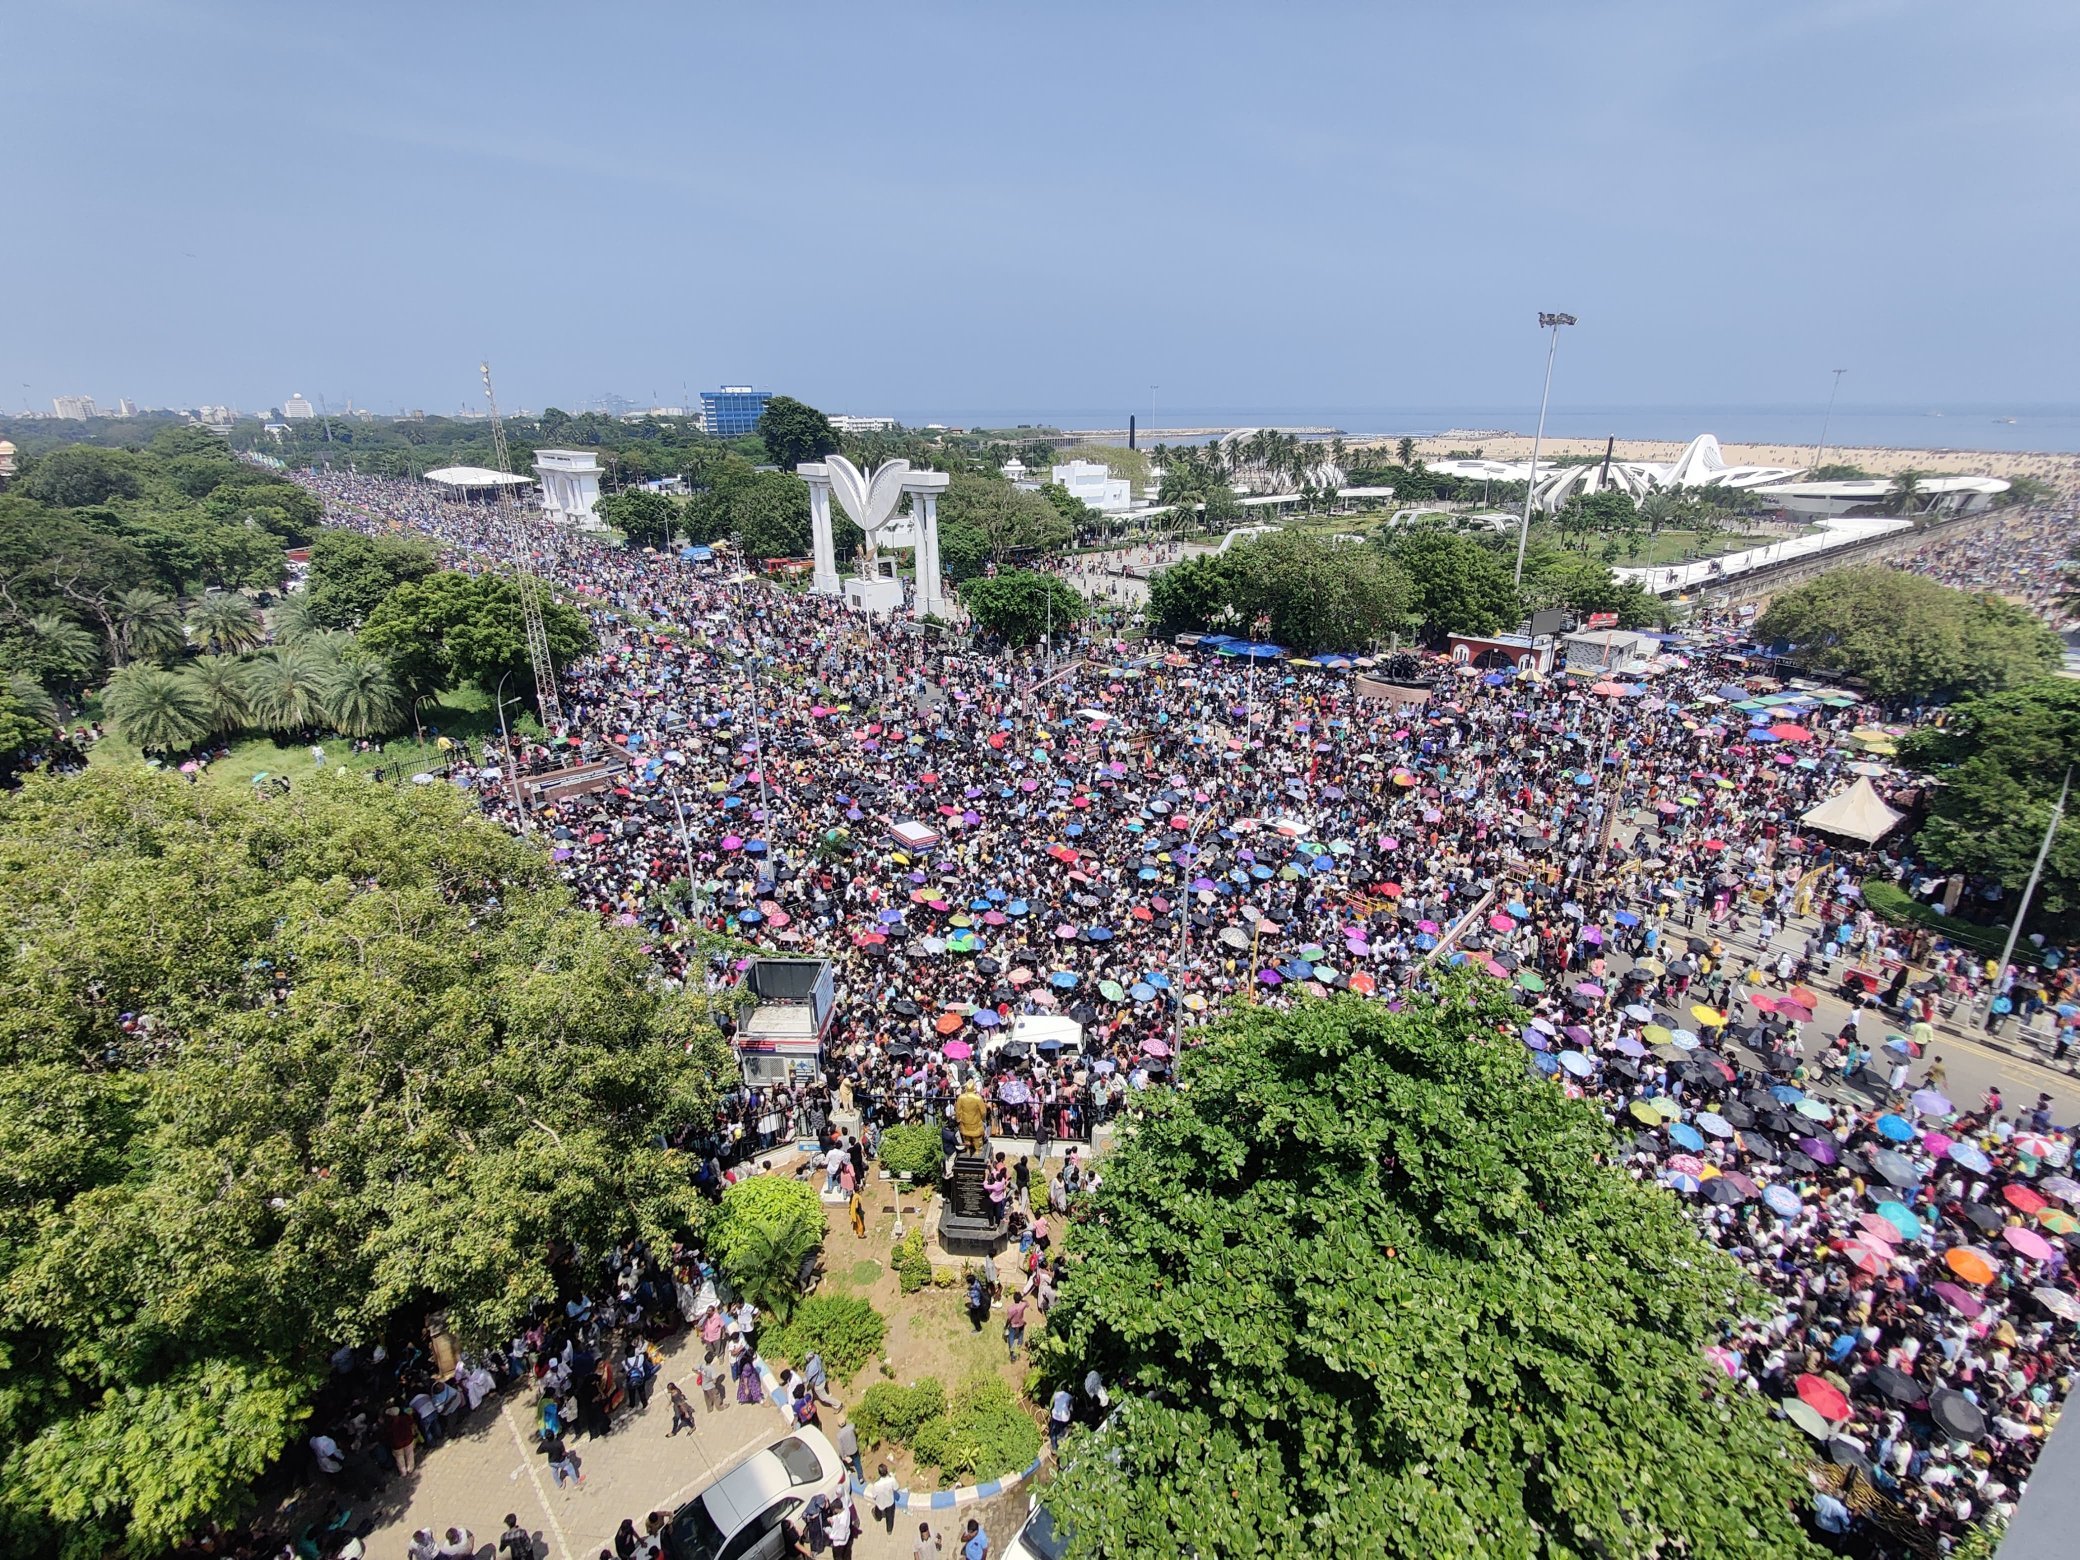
(2008, 420)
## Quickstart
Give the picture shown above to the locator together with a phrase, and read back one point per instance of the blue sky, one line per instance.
(955, 207)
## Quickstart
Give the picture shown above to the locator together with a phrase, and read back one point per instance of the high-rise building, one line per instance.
(733, 411)
(125, 407)
(77, 408)
(297, 409)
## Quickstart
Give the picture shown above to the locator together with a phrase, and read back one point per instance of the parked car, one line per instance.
(740, 1515)
(1038, 1538)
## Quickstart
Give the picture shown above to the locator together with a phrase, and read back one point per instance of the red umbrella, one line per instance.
(1789, 733)
(1824, 1398)
(2022, 1199)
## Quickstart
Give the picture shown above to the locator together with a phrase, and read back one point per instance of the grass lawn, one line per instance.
(463, 715)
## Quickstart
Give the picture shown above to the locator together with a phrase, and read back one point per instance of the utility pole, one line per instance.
(1828, 420)
(2058, 813)
(1551, 322)
(547, 702)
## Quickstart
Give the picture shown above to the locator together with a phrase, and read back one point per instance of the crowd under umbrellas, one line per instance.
(1142, 840)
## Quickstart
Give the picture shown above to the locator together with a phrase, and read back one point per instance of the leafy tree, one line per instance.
(1582, 586)
(79, 476)
(223, 683)
(1999, 760)
(1457, 585)
(1405, 452)
(54, 650)
(764, 1231)
(769, 510)
(22, 723)
(384, 1068)
(846, 1331)
(793, 432)
(645, 518)
(1904, 496)
(156, 710)
(452, 628)
(1317, 594)
(360, 698)
(985, 519)
(914, 1150)
(1018, 606)
(1838, 472)
(1367, 1275)
(1081, 517)
(1908, 637)
(351, 574)
(222, 622)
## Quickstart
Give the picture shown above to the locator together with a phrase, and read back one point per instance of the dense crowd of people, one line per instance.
(1135, 838)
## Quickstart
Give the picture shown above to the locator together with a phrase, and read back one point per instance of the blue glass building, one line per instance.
(733, 410)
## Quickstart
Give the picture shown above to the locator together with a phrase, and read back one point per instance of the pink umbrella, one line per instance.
(1501, 923)
(959, 1050)
(1875, 1228)
(1936, 1144)
(2028, 1242)
(1065, 931)
(1427, 926)
(1589, 988)
(1155, 1048)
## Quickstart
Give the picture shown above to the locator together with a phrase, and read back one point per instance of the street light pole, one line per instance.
(1551, 322)
(512, 764)
(2058, 813)
(1828, 420)
(1184, 927)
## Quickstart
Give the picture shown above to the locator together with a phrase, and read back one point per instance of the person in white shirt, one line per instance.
(881, 1499)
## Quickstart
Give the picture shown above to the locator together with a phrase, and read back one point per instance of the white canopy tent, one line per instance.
(1858, 813)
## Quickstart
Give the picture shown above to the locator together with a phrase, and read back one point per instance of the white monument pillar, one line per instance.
(823, 551)
(924, 488)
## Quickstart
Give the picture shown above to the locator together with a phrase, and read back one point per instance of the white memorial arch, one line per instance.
(871, 501)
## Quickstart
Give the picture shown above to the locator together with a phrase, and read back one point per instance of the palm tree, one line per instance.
(222, 680)
(32, 699)
(224, 623)
(361, 698)
(1906, 487)
(282, 688)
(158, 710)
(62, 645)
(293, 619)
(148, 626)
(1658, 509)
(1405, 450)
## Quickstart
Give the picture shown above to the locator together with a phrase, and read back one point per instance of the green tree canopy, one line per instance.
(984, 519)
(452, 628)
(278, 1074)
(1582, 585)
(1019, 605)
(1363, 1284)
(647, 519)
(793, 432)
(1457, 585)
(1998, 761)
(79, 476)
(765, 1230)
(1906, 636)
(1312, 592)
(351, 574)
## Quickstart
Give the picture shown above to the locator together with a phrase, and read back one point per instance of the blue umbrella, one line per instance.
(1968, 1155)
(750, 917)
(1296, 969)
(1098, 933)
(1626, 918)
(1062, 979)
(1147, 874)
(1535, 1040)
(1141, 991)
(1897, 1128)
(1018, 907)
(1784, 1094)
(1781, 1199)
(1544, 1063)
(1158, 980)
(1901, 1218)
(1260, 873)
(986, 1018)
(1517, 908)
(1676, 1181)
(1073, 830)
(1683, 1135)
(1576, 1063)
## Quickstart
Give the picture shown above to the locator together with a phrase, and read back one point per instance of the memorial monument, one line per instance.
(969, 1225)
(570, 487)
(871, 500)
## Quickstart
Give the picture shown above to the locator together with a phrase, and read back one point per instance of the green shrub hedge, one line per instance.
(894, 1413)
(845, 1331)
(1889, 902)
(982, 1434)
(914, 1151)
(913, 1267)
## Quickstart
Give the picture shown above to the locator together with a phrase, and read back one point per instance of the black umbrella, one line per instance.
(1887, 1382)
(903, 1007)
(1619, 1067)
(1844, 1455)
(1759, 1147)
(1794, 1160)
(1956, 1415)
(1987, 1219)
(1700, 945)
(1777, 1123)
(1739, 1115)
(987, 966)
(1647, 1143)
(1720, 1190)
(902, 1048)
(1853, 1163)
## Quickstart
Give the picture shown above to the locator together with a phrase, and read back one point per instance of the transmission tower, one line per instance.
(546, 701)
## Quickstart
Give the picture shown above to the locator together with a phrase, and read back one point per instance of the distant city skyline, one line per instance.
(1254, 207)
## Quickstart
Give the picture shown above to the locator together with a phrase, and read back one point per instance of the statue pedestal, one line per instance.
(965, 1225)
(878, 595)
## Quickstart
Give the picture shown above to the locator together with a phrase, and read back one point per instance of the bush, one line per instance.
(913, 1267)
(914, 1151)
(764, 1231)
(1889, 902)
(983, 1433)
(846, 1332)
(894, 1413)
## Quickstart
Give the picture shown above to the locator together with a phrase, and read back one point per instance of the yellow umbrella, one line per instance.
(1711, 1018)
(1652, 966)
(1668, 1107)
(1657, 1034)
(1644, 1113)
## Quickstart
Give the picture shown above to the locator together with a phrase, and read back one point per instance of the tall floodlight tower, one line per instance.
(547, 704)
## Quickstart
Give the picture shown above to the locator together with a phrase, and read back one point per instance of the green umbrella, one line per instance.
(1111, 991)
(1531, 981)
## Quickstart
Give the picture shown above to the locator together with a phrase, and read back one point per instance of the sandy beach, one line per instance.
(2060, 470)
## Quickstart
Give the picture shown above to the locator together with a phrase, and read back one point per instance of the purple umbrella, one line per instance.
(1592, 934)
(1269, 977)
(1625, 1045)
(1963, 1302)
(1818, 1149)
(1578, 1034)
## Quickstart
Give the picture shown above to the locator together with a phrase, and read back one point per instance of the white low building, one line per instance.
(570, 486)
(1093, 482)
(1931, 495)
